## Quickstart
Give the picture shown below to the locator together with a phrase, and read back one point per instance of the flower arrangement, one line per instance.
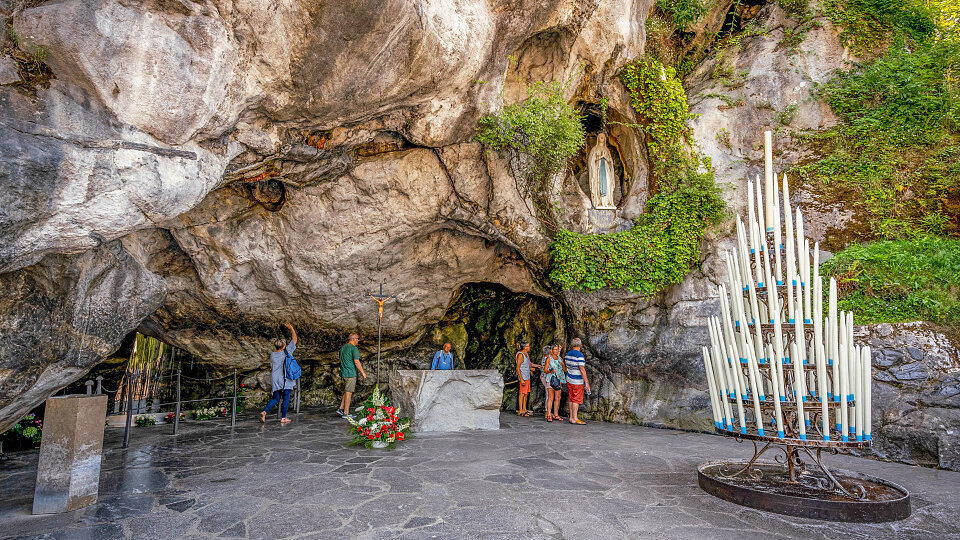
(145, 420)
(220, 410)
(378, 424)
(169, 417)
(204, 414)
(26, 433)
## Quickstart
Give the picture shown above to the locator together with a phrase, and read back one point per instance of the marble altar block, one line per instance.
(68, 473)
(448, 400)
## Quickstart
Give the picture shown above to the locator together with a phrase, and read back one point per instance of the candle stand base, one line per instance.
(798, 483)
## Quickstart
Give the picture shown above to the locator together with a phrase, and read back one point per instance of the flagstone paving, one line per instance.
(531, 479)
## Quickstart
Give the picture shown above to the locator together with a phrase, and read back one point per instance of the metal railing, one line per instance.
(135, 382)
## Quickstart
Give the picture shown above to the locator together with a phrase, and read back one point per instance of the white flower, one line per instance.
(362, 422)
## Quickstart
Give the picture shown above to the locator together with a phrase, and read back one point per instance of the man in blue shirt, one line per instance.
(443, 359)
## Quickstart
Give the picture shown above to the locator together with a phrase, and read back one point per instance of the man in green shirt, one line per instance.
(349, 364)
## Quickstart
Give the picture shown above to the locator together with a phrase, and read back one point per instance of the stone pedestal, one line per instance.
(68, 473)
(455, 400)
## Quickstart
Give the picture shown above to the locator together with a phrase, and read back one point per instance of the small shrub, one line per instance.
(24, 434)
(538, 137)
(683, 13)
(145, 420)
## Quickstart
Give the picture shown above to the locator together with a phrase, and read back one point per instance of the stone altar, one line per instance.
(68, 472)
(448, 400)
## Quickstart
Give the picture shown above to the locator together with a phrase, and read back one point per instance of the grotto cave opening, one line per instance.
(484, 323)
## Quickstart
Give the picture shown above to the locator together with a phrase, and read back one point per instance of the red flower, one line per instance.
(359, 429)
(369, 409)
(400, 436)
(371, 437)
(241, 385)
(390, 410)
(369, 418)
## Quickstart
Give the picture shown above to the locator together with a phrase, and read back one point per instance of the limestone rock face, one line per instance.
(448, 400)
(916, 389)
(203, 171)
(273, 160)
(63, 316)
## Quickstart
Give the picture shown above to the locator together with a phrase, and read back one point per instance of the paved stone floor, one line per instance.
(531, 479)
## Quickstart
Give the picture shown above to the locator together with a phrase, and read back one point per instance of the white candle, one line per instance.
(729, 339)
(844, 377)
(761, 215)
(775, 360)
(867, 394)
(714, 400)
(777, 236)
(740, 412)
(758, 341)
(777, 342)
(801, 351)
(754, 236)
(721, 366)
(756, 385)
(791, 260)
(798, 389)
(854, 357)
(768, 167)
(824, 401)
(834, 349)
(742, 246)
(806, 284)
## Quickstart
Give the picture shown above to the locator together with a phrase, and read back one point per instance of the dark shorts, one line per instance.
(349, 384)
(576, 393)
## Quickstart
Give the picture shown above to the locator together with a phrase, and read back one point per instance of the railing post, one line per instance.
(233, 411)
(176, 413)
(298, 396)
(99, 385)
(126, 429)
(89, 387)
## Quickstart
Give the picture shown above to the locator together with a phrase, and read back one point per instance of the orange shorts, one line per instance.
(576, 393)
(524, 386)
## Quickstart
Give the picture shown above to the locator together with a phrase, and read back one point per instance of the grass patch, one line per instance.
(899, 281)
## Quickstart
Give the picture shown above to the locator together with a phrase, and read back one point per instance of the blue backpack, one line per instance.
(291, 369)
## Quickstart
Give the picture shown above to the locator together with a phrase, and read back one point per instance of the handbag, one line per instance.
(555, 382)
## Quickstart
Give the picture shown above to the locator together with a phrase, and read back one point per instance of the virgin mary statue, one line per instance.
(602, 175)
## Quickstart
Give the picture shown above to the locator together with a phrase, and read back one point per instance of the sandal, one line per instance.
(581, 422)
(560, 418)
(528, 413)
(549, 418)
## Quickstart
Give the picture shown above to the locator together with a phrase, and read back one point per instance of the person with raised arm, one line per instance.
(281, 385)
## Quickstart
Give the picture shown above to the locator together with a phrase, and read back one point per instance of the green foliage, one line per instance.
(658, 250)
(896, 281)
(682, 13)
(664, 242)
(867, 25)
(896, 152)
(537, 136)
(661, 104)
(25, 433)
(145, 420)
